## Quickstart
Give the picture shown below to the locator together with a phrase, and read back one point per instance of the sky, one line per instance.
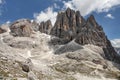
(106, 12)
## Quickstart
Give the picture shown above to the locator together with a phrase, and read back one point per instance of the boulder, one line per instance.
(25, 67)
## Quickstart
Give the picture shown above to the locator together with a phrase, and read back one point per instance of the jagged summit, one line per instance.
(45, 27)
(92, 21)
(67, 24)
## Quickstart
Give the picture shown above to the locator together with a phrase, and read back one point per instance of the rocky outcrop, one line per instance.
(45, 27)
(71, 25)
(22, 27)
(25, 27)
(91, 33)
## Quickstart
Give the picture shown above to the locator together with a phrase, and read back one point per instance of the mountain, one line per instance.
(71, 25)
(72, 49)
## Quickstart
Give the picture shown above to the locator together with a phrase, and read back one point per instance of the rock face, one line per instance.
(67, 24)
(91, 33)
(71, 25)
(45, 27)
(22, 27)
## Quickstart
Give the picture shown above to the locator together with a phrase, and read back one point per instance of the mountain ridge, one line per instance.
(72, 49)
(69, 25)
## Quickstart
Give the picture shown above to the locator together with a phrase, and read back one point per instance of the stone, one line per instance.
(96, 61)
(27, 65)
(25, 68)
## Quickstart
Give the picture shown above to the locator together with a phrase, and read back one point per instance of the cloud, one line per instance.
(88, 6)
(56, 6)
(46, 15)
(68, 4)
(8, 22)
(0, 7)
(1, 1)
(109, 16)
(115, 42)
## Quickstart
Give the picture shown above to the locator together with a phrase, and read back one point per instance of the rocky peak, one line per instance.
(66, 24)
(45, 27)
(91, 33)
(22, 27)
(69, 12)
(91, 20)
